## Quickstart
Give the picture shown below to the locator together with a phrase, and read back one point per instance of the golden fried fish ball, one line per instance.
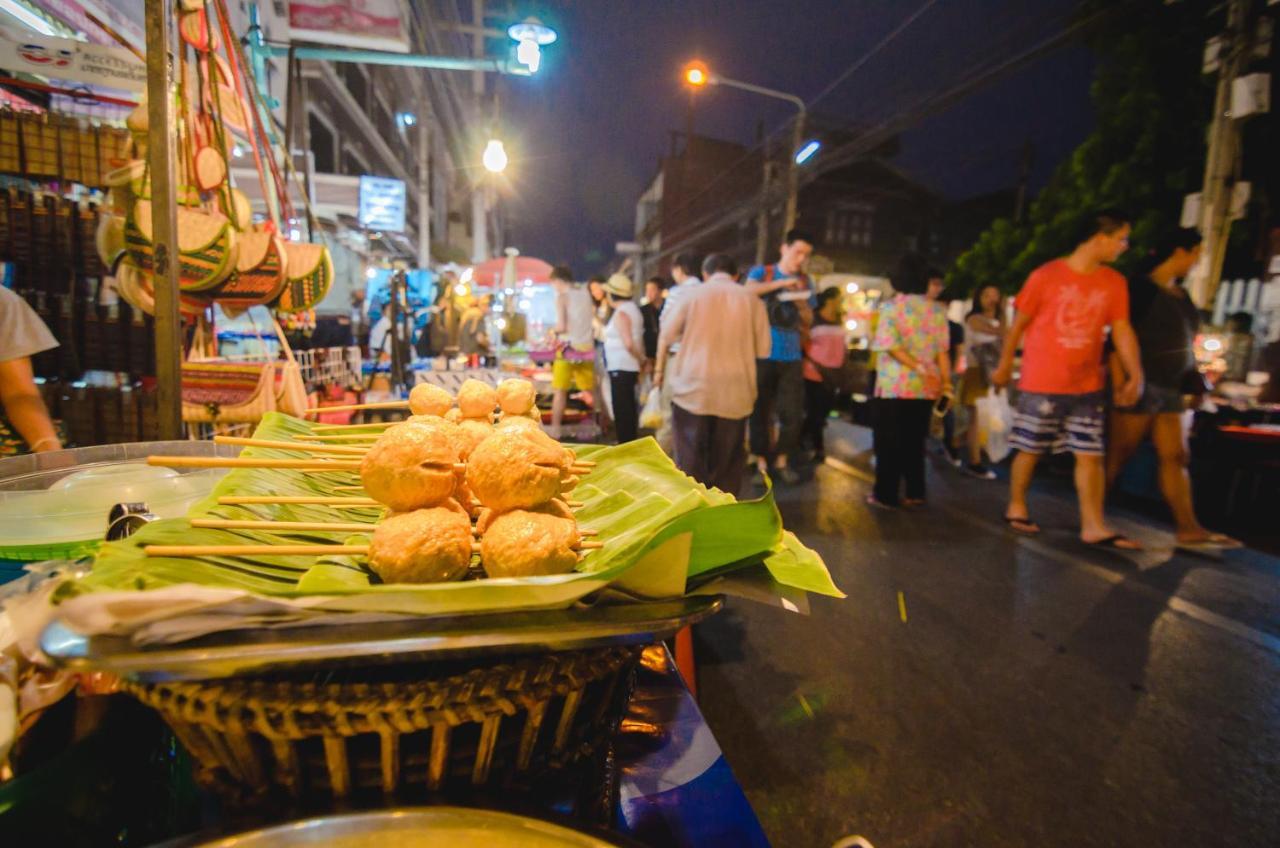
(423, 546)
(524, 543)
(471, 432)
(448, 428)
(511, 471)
(516, 397)
(454, 415)
(428, 399)
(555, 506)
(477, 399)
(410, 467)
(514, 422)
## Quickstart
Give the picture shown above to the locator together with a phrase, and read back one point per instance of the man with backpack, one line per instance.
(786, 291)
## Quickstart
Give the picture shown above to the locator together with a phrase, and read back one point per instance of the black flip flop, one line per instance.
(1027, 523)
(1113, 541)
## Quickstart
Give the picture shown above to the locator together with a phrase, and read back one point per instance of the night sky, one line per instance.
(585, 134)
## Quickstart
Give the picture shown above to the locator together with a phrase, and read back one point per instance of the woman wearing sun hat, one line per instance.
(623, 354)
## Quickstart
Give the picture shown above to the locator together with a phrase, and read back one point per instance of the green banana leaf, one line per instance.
(634, 498)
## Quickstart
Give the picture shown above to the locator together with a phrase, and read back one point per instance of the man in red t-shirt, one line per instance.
(1064, 310)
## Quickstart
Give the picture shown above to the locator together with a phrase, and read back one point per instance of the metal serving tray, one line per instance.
(250, 652)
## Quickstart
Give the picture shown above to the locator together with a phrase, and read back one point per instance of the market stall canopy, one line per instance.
(498, 272)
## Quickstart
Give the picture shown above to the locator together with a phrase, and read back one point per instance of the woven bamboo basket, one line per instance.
(461, 726)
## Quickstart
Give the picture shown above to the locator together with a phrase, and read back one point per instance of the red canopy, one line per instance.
(490, 274)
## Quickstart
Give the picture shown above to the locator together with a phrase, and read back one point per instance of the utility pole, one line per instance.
(1222, 162)
(162, 157)
(424, 194)
(762, 218)
(793, 169)
(479, 211)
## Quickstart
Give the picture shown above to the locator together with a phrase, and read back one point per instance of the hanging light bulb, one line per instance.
(529, 54)
(495, 157)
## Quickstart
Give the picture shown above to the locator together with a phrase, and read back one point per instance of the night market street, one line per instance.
(979, 688)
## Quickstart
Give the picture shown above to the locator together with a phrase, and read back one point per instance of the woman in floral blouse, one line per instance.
(914, 370)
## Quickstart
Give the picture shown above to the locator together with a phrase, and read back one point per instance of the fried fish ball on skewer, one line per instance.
(509, 471)
(530, 429)
(471, 432)
(453, 416)
(410, 467)
(428, 399)
(431, 545)
(555, 506)
(477, 400)
(524, 543)
(516, 397)
(450, 430)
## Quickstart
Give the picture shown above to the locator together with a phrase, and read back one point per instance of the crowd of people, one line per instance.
(748, 366)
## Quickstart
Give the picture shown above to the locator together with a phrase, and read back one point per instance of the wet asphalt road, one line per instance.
(978, 688)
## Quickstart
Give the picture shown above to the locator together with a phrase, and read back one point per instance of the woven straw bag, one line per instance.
(310, 273)
(206, 241)
(227, 392)
(260, 272)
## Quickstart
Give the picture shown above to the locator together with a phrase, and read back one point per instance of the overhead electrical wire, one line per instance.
(980, 75)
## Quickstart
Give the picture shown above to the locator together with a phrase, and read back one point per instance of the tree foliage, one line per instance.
(1146, 151)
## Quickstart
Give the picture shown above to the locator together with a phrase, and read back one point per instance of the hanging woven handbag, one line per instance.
(206, 242)
(259, 277)
(310, 273)
(227, 392)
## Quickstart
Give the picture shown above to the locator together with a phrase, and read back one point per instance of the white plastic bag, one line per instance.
(995, 423)
(651, 413)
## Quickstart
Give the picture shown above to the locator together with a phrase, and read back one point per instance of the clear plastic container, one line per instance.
(56, 504)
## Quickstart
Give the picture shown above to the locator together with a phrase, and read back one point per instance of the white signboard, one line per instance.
(67, 59)
(382, 203)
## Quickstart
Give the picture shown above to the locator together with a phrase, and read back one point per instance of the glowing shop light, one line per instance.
(805, 153)
(495, 157)
(852, 288)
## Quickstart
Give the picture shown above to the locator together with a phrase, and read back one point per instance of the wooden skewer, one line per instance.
(356, 407)
(357, 488)
(253, 462)
(585, 463)
(330, 526)
(354, 465)
(295, 446)
(353, 437)
(590, 546)
(253, 550)
(574, 504)
(247, 500)
(328, 428)
(249, 524)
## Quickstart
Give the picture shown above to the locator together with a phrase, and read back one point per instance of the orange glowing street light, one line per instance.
(696, 74)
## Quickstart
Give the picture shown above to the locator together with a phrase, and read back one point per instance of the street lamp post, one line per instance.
(697, 75)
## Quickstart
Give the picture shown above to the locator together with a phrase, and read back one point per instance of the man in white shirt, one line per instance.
(684, 270)
(722, 329)
(23, 335)
(574, 364)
